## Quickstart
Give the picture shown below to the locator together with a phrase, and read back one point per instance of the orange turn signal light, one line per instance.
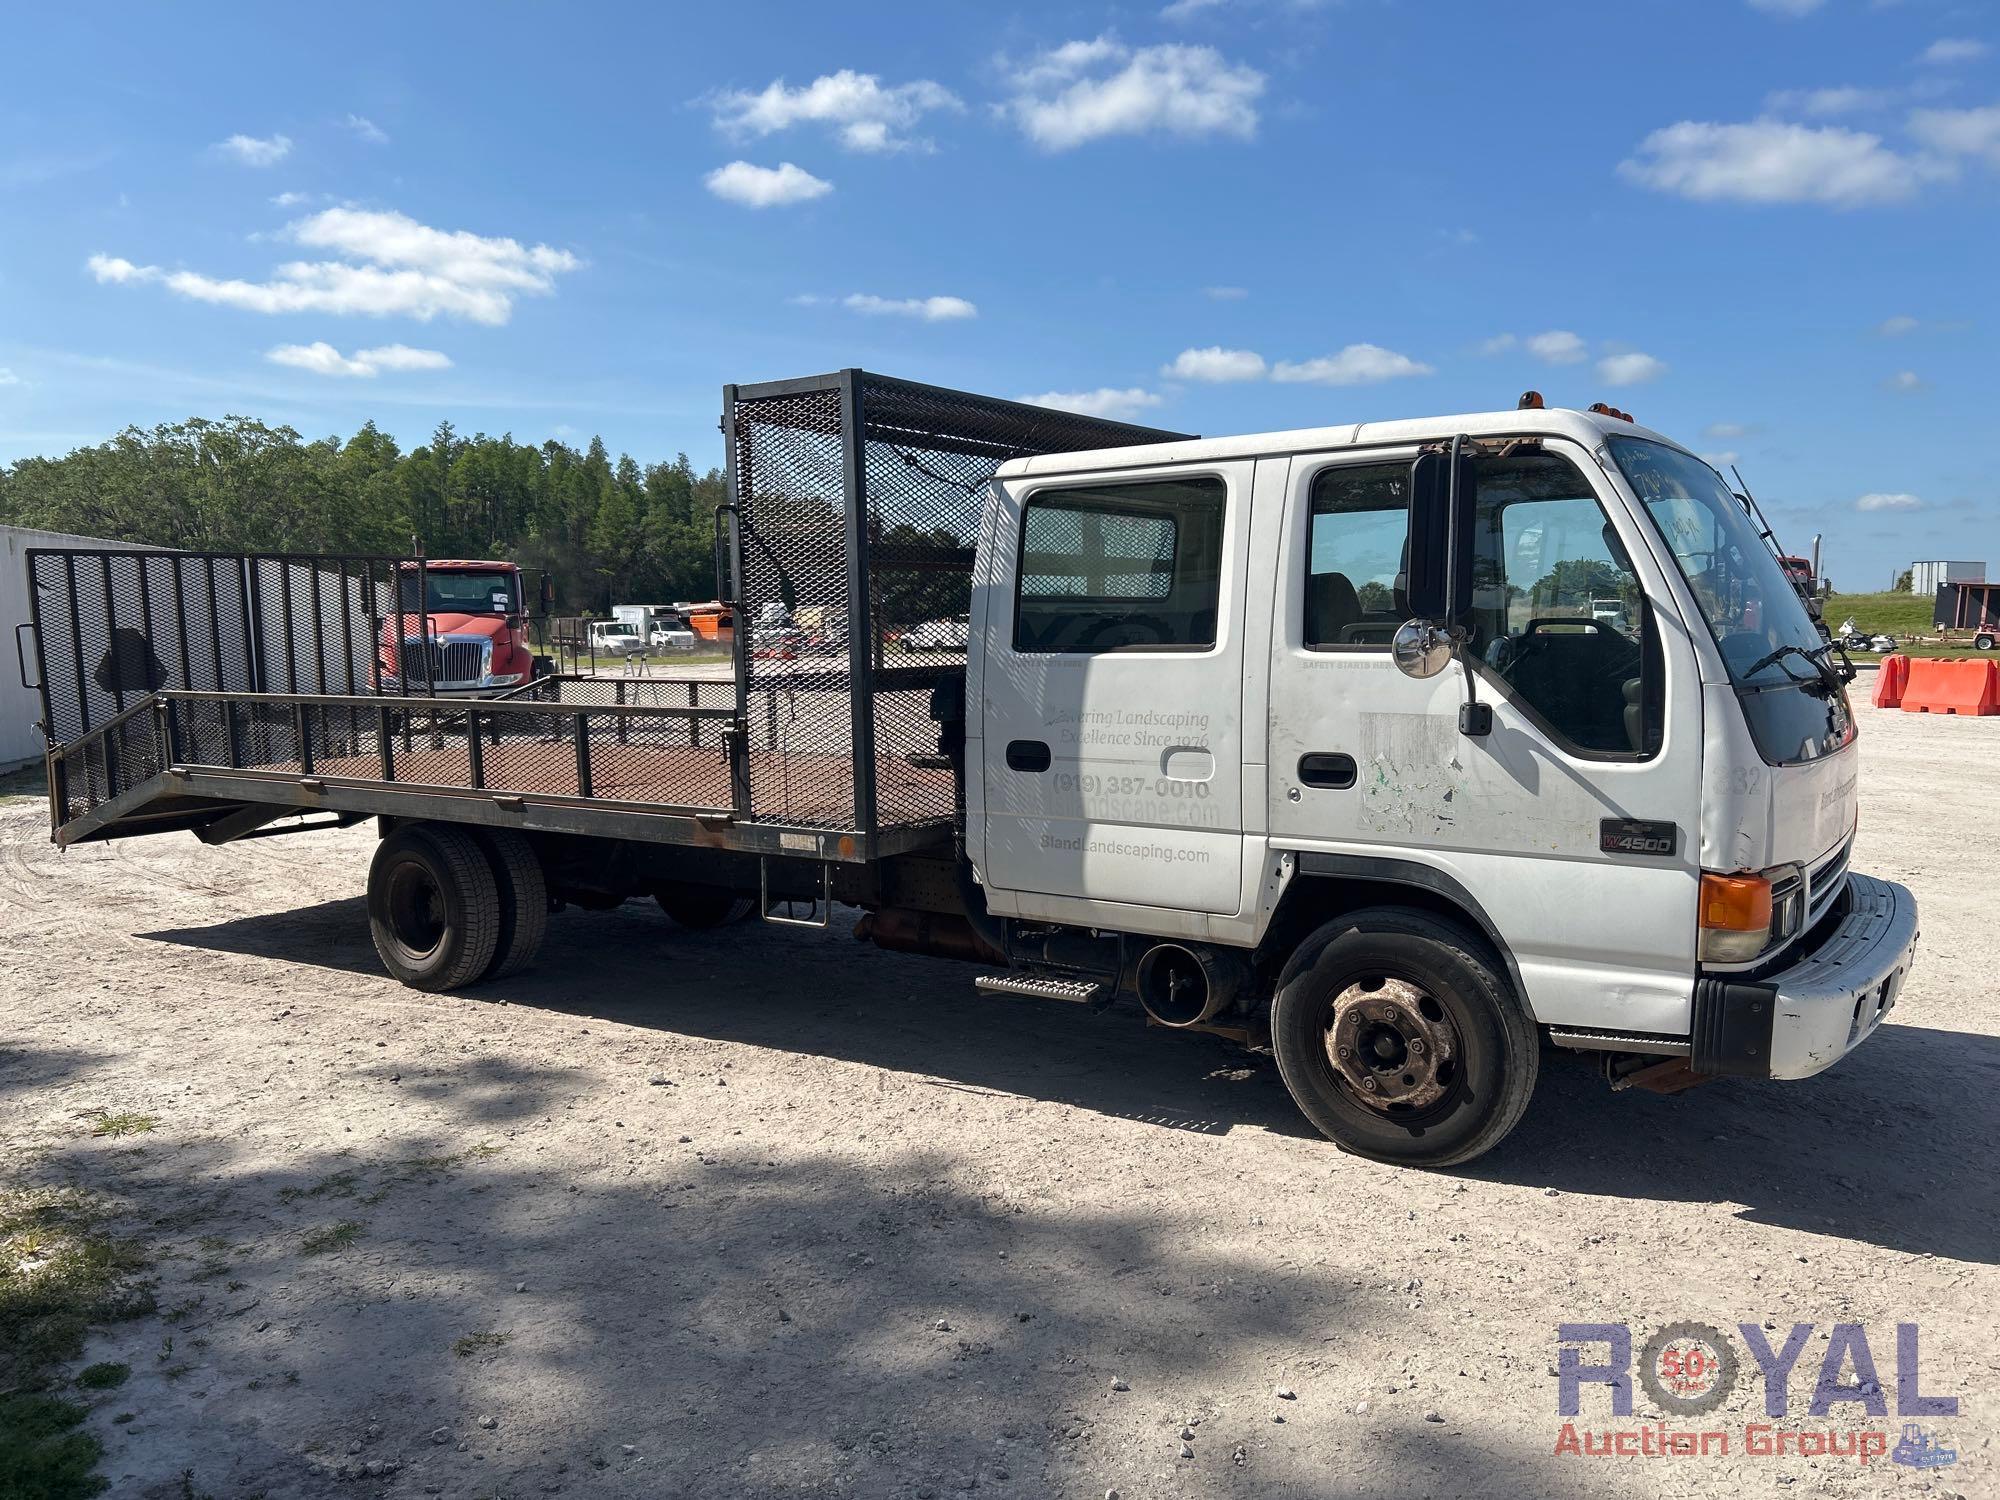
(1735, 903)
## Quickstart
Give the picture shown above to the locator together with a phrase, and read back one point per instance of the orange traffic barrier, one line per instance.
(1937, 686)
(1891, 679)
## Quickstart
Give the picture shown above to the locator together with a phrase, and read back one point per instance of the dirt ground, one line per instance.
(770, 1213)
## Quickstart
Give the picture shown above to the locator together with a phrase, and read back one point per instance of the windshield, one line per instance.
(1751, 607)
(458, 592)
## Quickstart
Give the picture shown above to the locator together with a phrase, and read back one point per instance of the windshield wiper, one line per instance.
(1828, 675)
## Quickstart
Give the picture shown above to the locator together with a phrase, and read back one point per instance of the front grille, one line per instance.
(451, 664)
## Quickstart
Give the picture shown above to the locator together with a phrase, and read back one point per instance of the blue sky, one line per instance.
(1767, 227)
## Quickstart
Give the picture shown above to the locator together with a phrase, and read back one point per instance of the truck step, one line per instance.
(1039, 987)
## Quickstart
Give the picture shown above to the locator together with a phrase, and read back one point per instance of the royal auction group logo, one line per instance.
(1688, 1371)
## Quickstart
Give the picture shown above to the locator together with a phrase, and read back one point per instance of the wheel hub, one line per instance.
(1393, 1043)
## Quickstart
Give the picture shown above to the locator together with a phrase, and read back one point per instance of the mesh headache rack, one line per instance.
(202, 691)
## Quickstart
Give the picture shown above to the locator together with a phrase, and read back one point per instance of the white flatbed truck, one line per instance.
(1325, 740)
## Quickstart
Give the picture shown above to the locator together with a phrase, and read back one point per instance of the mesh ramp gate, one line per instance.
(855, 505)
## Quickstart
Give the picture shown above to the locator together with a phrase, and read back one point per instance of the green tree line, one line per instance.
(609, 530)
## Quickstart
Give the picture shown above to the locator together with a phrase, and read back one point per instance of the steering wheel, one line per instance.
(1541, 622)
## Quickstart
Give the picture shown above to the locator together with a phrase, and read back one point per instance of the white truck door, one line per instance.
(1112, 686)
(1596, 723)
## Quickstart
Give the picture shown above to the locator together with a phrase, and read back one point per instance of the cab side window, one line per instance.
(1356, 533)
(1132, 566)
(1558, 612)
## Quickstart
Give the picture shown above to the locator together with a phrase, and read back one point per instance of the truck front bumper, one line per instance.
(1804, 1019)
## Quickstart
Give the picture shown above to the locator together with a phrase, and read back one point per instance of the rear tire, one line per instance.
(1401, 1041)
(1983, 642)
(523, 894)
(433, 906)
(701, 907)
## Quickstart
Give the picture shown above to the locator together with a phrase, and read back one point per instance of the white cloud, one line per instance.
(930, 309)
(115, 269)
(1721, 460)
(323, 359)
(1960, 132)
(1357, 364)
(256, 151)
(1768, 161)
(863, 114)
(1215, 364)
(291, 200)
(1105, 401)
(1790, 9)
(1086, 91)
(765, 187)
(8, 377)
(1724, 431)
(1906, 380)
(1187, 10)
(1880, 501)
(367, 129)
(1500, 343)
(1557, 347)
(1629, 369)
(405, 269)
(1225, 293)
(1896, 327)
(1821, 104)
(1952, 49)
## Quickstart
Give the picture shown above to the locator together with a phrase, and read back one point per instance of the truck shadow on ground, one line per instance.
(1868, 1150)
(713, 1322)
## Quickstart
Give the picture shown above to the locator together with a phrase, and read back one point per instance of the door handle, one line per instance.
(1027, 755)
(1328, 769)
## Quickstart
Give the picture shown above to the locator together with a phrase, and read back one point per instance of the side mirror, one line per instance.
(545, 605)
(1421, 648)
(1438, 579)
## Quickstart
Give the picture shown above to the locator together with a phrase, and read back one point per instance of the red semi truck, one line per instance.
(463, 629)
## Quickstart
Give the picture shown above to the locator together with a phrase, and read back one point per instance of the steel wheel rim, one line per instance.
(415, 909)
(1392, 1044)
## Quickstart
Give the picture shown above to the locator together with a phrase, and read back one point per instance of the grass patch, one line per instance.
(472, 1343)
(333, 1237)
(44, 1452)
(335, 1185)
(60, 1274)
(103, 1376)
(123, 1124)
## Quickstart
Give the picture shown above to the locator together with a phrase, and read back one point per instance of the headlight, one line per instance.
(1743, 915)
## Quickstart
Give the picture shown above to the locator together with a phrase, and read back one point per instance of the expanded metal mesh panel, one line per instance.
(861, 501)
(114, 627)
(794, 561)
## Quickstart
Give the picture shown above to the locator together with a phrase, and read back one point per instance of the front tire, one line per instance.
(1401, 1041)
(1983, 641)
(433, 907)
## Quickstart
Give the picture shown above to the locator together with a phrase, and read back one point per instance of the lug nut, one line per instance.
(1368, 1084)
(1416, 1044)
(1344, 1052)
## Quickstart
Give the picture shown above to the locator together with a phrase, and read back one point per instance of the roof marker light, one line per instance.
(1530, 401)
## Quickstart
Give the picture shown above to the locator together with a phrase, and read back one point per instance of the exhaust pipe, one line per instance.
(1184, 986)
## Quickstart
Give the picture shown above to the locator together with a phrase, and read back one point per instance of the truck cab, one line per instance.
(1229, 693)
(462, 629)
